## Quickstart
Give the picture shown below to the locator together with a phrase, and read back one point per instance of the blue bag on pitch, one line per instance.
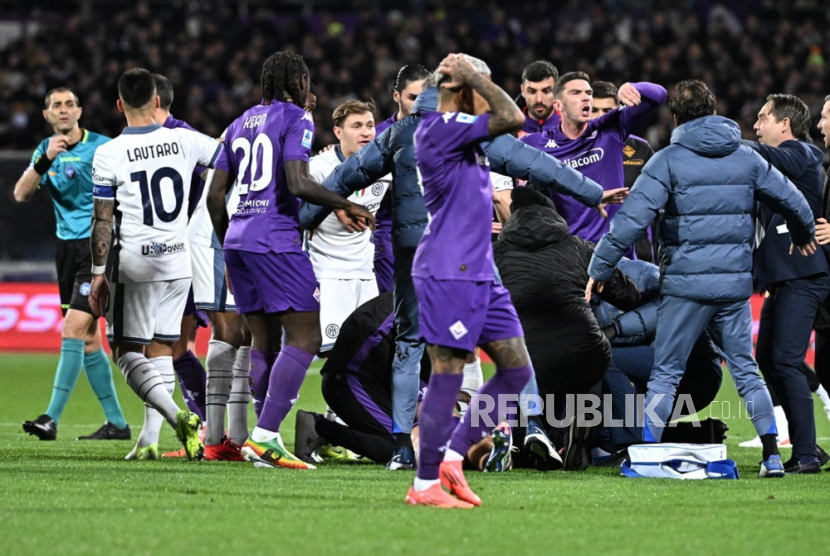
(679, 461)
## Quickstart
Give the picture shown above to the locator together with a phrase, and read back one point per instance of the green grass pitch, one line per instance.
(69, 497)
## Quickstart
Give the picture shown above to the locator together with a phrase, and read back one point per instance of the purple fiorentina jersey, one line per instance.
(257, 146)
(380, 127)
(534, 125)
(455, 177)
(382, 236)
(598, 154)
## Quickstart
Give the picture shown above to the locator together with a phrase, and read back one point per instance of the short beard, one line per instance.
(546, 115)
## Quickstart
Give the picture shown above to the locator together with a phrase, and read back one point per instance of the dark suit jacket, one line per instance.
(801, 163)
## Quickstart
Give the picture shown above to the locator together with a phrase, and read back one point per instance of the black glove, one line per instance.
(610, 331)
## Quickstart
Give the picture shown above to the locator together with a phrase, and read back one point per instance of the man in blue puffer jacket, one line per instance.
(631, 334)
(393, 151)
(706, 183)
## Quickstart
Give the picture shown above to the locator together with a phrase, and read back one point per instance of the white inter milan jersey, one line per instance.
(335, 252)
(200, 228)
(147, 171)
(500, 182)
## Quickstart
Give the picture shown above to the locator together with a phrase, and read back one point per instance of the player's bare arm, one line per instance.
(302, 185)
(100, 240)
(505, 116)
(218, 188)
(28, 182)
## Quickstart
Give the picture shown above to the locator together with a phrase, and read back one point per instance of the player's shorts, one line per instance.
(73, 260)
(463, 315)
(272, 282)
(338, 299)
(139, 312)
(210, 291)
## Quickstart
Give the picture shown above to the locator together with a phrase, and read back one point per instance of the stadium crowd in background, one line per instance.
(212, 54)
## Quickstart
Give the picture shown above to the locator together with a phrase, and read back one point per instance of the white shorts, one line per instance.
(210, 291)
(338, 298)
(139, 312)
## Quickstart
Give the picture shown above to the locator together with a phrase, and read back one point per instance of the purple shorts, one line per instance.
(272, 282)
(463, 315)
(202, 320)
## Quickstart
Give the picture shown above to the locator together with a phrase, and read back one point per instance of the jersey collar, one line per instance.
(339, 152)
(139, 130)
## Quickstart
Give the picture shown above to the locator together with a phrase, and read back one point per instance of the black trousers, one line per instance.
(787, 319)
(366, 408)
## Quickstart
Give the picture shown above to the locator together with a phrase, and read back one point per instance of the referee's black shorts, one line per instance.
(73, 260)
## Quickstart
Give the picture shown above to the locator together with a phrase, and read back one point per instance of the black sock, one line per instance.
(770, 443)
(403, 440)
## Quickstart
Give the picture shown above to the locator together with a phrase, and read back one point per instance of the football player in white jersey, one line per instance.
(227, 358)
(141, 184)
(341, 250)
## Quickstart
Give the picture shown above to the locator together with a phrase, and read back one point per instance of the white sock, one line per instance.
(146, 381)
(473, 379)
(153, 420)
(781, 423)
(822, 395)
(240, 396)
(262, 435)
(423, 484)
(219, 362)
(151, 429)
(452, 455)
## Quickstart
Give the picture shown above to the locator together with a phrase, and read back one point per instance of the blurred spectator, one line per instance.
(213, 51)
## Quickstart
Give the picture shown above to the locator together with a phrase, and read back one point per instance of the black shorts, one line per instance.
(74, 264)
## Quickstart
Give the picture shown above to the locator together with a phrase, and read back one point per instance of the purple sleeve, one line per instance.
(456, 132)
(298, 139)
(632, 118)
(225, 159)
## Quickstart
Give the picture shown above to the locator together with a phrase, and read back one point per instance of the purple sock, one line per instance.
(287, 376)
(192, 379)
(436, 422)
(505, 381)
(261, 363)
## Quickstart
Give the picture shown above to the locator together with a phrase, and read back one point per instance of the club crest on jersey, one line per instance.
(156, 249)
(377, 189)
(458, 330)
(629, 151)
(308, 136)
(332, 331)
(317, 294)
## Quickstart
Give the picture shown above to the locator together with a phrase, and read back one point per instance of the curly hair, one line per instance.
(281, 74)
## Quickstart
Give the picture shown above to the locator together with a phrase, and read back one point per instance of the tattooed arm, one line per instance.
(505, 116)
(99, 243)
